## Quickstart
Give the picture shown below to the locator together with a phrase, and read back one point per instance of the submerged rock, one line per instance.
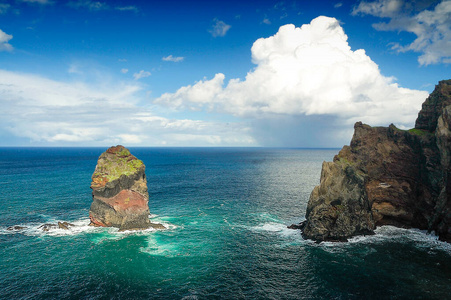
(388, 176)
(119, 191)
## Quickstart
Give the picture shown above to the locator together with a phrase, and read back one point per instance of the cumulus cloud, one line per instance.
(141, 74)
(306, 73)
(4, 39)
(219, 28)
(173, 58)
(44, 111)
(431, 27)
(124, 71)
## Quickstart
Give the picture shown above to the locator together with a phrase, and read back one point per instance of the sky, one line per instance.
(215, 73)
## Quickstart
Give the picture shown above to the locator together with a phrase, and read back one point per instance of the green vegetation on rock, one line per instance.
(414, 131)
(419, 132)
(113, 166)
(124, 152)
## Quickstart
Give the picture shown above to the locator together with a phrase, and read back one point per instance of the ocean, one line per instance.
(226, 210)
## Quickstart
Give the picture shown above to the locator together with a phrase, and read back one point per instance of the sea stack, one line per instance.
(388, 176)
(119, 191)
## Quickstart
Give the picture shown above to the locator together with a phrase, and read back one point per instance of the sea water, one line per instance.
(226, 211)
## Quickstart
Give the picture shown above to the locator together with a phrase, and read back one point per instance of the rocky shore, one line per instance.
(388, 176)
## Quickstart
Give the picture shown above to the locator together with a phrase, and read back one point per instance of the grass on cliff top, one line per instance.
(112, 169)
(414, 131)
(419, 132)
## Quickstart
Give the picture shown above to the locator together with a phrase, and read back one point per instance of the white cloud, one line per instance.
(130, 138)
(280, 6)
(127, 8)
(173, 58)
(338, 5)
(301, 72)
(219, 28)
(43, 2)
(49, 112)
(380, 8)
(4, 39)
(124, 71)
(266, 21)
(97, 5)
(195, 97)
(4, 8)
(89, 4)
(431, 27)
(141, 74)
(74, 69)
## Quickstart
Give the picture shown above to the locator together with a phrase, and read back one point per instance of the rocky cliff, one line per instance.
(388, 176)
(119, 191)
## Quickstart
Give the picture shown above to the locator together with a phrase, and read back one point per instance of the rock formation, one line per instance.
(119, 191)
(388, 176)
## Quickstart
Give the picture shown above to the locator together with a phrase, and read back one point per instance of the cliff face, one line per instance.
(388, 176)
(119, 191)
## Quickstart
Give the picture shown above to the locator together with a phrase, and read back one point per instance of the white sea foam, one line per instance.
(156, 248)
(268, 217)
(383, 234)
(387, 234)
(80, 226)
(190, 297)
(35, 229)
(276, 228)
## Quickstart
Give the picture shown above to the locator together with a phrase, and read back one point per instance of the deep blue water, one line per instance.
(226, 209)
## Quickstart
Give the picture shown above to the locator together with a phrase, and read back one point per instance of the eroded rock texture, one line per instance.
(119, 191)
(388, 176)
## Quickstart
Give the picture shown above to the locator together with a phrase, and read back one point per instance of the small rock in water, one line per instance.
(47, 227)
(157, 226)
(297, 226)
(63, 225)
(16, 227)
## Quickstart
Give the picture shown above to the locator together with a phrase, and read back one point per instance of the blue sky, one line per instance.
(209, 73)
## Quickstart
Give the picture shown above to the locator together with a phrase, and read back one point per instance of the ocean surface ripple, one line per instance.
(226, 212)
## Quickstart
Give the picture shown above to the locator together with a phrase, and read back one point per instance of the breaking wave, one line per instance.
(76, 227)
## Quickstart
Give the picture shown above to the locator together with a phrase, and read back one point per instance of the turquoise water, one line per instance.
(226, 210)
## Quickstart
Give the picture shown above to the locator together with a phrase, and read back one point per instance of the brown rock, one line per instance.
(63, 225)
(47, 227)
(297, 226)
(15, 227)
(157, 226)
(388, 176)
(119, 190)
(433, 106)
